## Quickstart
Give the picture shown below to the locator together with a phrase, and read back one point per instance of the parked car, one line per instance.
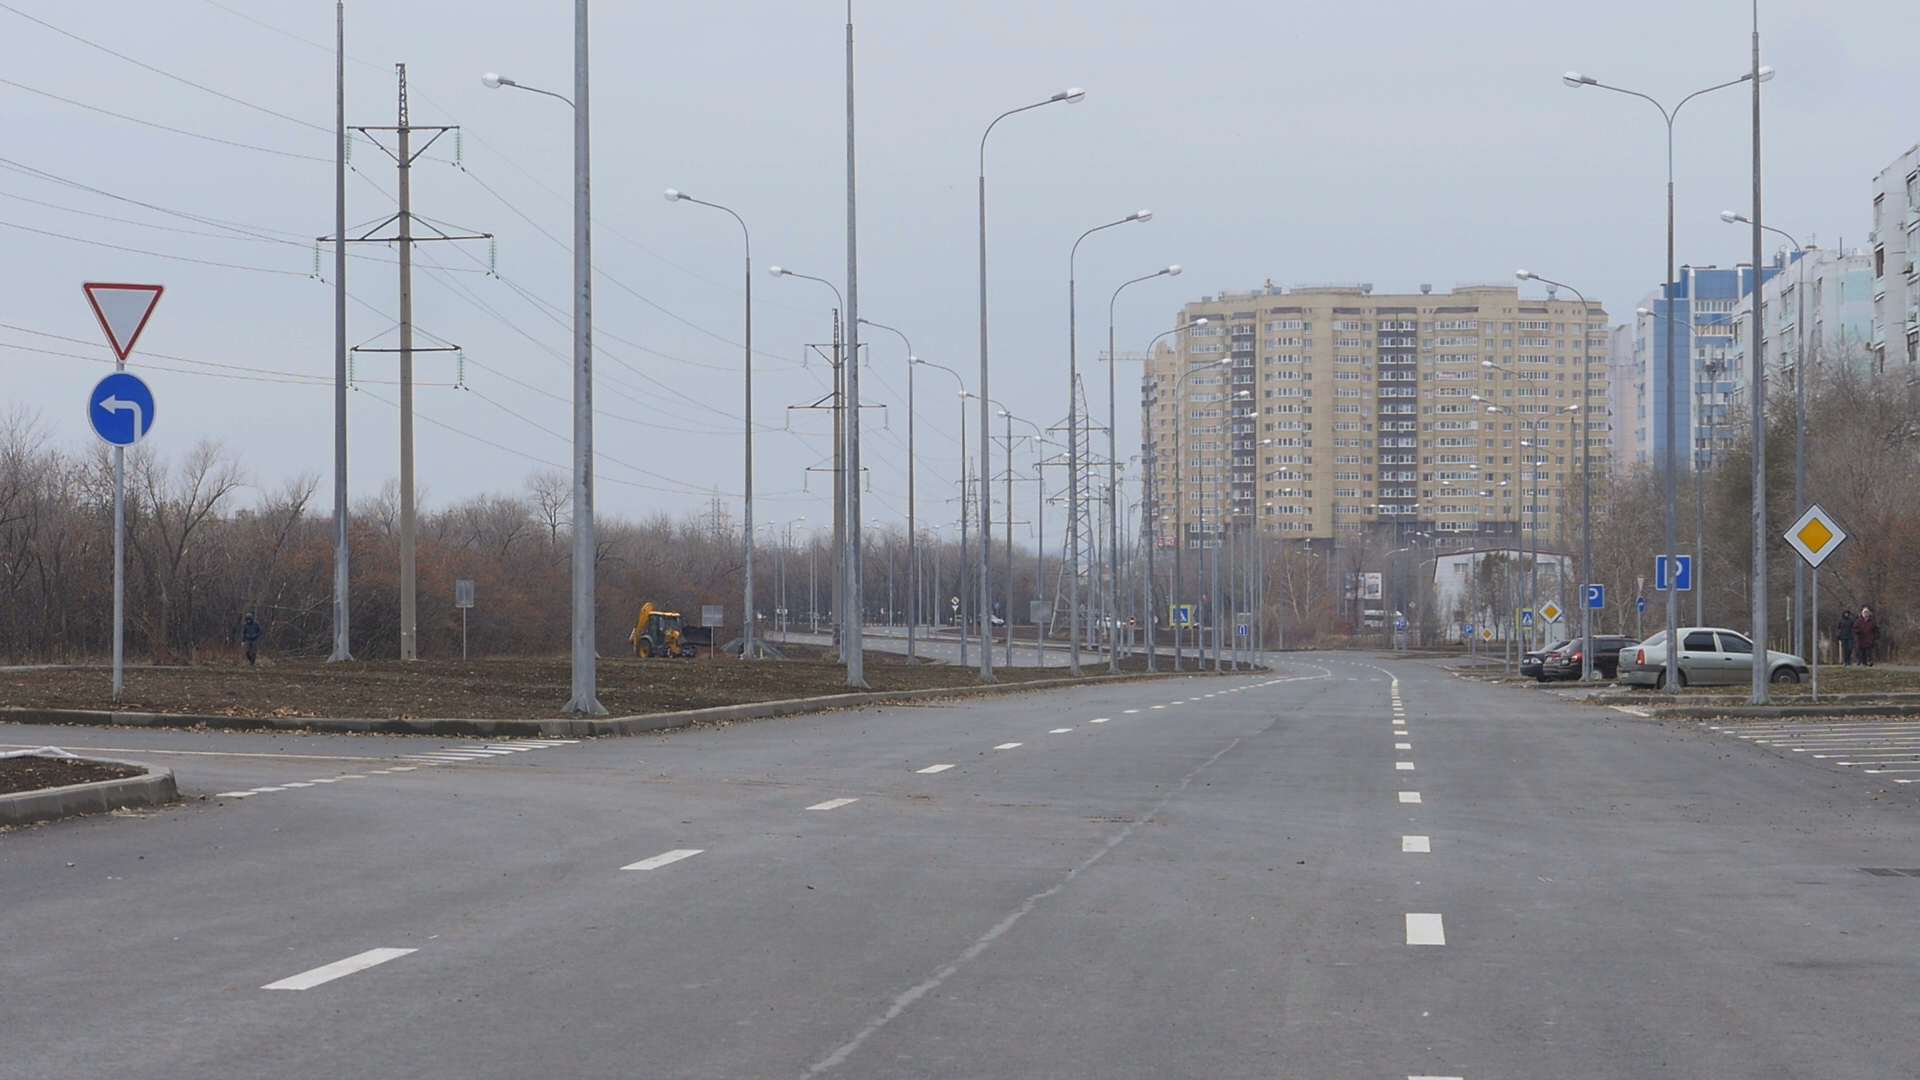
(1709, 656)
(1567, 663)
(1531, 663)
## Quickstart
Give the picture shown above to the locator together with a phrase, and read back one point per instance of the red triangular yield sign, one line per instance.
(123, 311)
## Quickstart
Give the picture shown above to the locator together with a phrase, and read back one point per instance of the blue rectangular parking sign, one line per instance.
(1596, 596)
(1683, 581)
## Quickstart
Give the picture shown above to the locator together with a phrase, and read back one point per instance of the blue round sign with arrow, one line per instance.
(121, 409)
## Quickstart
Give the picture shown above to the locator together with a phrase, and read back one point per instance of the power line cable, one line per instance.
(159, 126)
(164, 74)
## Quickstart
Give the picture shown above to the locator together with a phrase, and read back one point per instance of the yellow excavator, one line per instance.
(660, 633)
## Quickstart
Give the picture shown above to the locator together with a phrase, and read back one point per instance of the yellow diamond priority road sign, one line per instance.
(1551, 611)
(1815, 536)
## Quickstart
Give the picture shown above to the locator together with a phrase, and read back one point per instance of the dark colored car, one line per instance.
(1531, 663)
(1566, 663)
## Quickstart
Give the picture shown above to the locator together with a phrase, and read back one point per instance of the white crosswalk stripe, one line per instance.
(1889, 748)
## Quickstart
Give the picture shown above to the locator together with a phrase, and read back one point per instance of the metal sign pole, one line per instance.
(1813, 653)
(120, 566)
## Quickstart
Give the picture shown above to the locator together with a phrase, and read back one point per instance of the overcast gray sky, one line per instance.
(1391, 142)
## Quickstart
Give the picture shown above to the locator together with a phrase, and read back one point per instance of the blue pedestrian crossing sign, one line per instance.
(1526, 618)
(1640, 605)
(121, 409)
(1180, 615)
(1596, 596)
(1683, 580)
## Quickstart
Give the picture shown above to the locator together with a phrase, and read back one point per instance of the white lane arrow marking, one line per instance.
(114, 405)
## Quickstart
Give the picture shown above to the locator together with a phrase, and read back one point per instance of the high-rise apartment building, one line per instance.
(1705, 301)
(1895, 245)
(1332, 412)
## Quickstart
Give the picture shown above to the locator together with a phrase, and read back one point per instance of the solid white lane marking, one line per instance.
(832, 804)
(664, 858)
(1410, 796)
(1059, 731)
(1425, 929)
(1403, 766)
(403, 768)
(307, 980)
(934, 769)
(352, 776)
(1008, 745)
(1403, 746)
(1418, 845)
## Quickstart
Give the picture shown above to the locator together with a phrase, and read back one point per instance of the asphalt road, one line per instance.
(1208, 877)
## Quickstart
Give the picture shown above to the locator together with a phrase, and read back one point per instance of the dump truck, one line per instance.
(660, 633)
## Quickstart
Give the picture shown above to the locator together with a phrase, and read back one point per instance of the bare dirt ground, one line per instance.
(31, 773)
(493, 689)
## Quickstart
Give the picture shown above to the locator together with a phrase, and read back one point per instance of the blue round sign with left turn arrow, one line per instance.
(121, 409)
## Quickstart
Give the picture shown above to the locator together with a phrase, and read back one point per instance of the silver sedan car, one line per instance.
(1709, 656)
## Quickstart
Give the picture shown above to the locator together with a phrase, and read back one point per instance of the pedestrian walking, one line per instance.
(1866, 634)
(250, 634)
(1843, 636)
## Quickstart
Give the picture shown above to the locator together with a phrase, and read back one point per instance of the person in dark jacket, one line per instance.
(250, 633)
(1866, 634)
(1843, 635)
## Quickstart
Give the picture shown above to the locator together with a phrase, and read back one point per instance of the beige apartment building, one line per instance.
(1331, 412)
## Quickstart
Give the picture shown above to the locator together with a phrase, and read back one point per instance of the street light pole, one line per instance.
(1150, 513)
(1073, 441)
(1586, 480)
(747, 608)
(913, 468)
(1113, 452)
(1072, 96)
(1180, 495)
(1576, 80)
(1801, 630)
(584, 701)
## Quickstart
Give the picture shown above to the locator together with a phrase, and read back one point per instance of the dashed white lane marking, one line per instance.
(1059, 731)
(1418, 845)
(1403, 766)
(1425, 929)
(1433, 1078)
(1410, 796)
(832, 804)
(296, 783)
(1156, 706)
(1177, 703)
(326, 973)
(934, 769)
(1403, 746)
(666, 857)
(1124, 711)
(1099, 720)
(1008, 745)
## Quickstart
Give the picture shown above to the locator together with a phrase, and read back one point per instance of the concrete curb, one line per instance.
(1778, 712)
(154, 787)
(567, 727)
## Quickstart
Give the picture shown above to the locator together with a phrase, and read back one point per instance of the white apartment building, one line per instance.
(1896, 293)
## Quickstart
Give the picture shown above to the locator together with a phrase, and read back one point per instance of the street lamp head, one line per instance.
(495, 82)
(1475, 397)
(777, 271)
(1172, 271)
(1732, 216)
(1486, 363)
(1577, 80)
(1072, 95)
(673, 195)
(1766, 73)
(1201, 321)
(1140, 215)
(1643, 312)
(1523, 275)
(1493, 408)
